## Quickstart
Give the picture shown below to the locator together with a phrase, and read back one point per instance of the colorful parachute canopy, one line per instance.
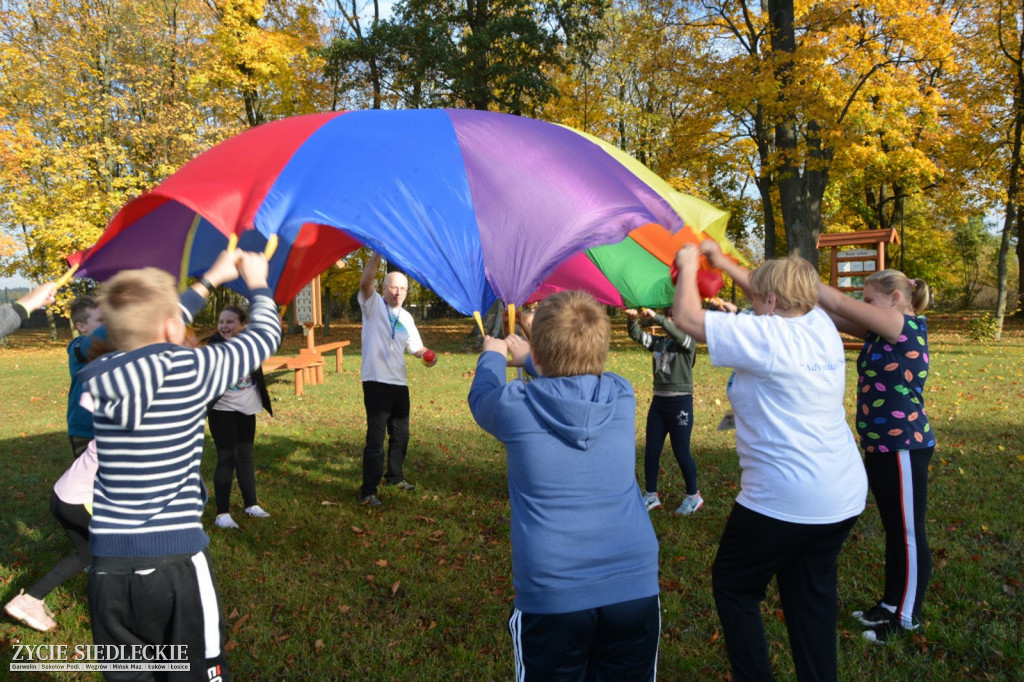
(638, 271)
(474, 205)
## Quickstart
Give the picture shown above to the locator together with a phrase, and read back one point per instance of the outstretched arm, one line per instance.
(12, 315)
(719, 260)
(488, 383)
(857, 317)
(687, 312)
(241, 355)
(223, 270)
(674, 332)
(38, 297)
(634, 329)
(369, 275)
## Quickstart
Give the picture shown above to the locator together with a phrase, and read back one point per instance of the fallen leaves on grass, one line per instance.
(239, 623)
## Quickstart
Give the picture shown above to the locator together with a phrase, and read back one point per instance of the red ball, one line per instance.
(428, 356)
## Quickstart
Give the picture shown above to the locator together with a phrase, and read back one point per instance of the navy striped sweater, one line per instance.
(149, 416)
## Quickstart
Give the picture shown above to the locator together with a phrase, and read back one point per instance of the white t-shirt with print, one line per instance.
(243, 397)
(388, 333)
(798, 457)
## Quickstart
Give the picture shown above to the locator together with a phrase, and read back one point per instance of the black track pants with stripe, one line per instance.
(605, 644)
(160, 600)
(899, 482)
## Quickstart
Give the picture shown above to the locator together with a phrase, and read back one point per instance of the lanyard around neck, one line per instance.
(394, 322)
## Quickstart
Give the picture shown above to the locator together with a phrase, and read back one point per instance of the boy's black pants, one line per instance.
(605, 644)
(160, 600)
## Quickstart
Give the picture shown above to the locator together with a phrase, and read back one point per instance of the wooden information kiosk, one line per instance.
(849, 268)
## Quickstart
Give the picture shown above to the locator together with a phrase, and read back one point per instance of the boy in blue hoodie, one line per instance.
(584, 553)
(151, 582)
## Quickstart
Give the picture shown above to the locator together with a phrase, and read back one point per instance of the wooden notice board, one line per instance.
(847, 269)
(306, 306)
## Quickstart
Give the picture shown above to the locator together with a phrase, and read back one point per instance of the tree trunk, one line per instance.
(801, 182)
(478, 95)
(374, 70)
(765, 182)
(764, 187)
(1011, 219)
(51, 322)
(1020, 261)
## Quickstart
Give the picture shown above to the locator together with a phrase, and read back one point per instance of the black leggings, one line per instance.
(671, 415)
(75, 520)
(233, 435)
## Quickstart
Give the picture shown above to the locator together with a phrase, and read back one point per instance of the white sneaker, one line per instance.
(691, 504)
(225, 521)
(651, 500)
(31, 611)
(257, 511)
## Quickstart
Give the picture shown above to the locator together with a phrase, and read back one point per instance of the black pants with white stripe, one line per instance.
(160, 600)
(899, 483)
(610, 643)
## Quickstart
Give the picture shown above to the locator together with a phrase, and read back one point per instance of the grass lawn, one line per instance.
(421, 588)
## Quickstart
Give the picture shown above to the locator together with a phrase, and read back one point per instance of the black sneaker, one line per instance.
(371, 501)
(875, 616)
(888, 631)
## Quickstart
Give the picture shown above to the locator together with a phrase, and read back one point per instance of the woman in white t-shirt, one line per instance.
(233, 427)
(802, 482)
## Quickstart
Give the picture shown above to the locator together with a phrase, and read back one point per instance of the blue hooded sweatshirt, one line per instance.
(581, 536)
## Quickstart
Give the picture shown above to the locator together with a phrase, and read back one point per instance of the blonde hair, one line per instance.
(915, 291)
(793, 280)
(136, 304)
(570, 335)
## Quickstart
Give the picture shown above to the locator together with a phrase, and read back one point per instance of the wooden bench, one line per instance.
(309, 369)
(276, 362)
(308, 365)
(337, 347)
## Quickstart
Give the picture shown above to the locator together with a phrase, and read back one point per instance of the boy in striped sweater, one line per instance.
(151, 581)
